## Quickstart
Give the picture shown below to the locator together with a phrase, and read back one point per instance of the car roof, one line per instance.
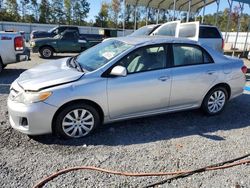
(141, 40)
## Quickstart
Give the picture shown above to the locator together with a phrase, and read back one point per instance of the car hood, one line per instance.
(47, 75)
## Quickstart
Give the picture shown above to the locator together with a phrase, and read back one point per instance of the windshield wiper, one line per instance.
(72, 62)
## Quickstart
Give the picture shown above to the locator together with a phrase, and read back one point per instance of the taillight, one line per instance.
(223, 44)
(19, 43)
(244, 69)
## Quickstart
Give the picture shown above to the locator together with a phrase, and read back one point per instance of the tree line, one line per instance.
(110, 15)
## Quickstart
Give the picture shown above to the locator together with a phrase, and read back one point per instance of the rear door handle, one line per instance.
(163, 78)
(210, 72)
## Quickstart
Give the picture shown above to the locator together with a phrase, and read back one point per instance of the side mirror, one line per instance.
(119, 71)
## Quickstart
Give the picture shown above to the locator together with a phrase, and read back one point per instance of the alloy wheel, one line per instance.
(78, 123)
(216, 101)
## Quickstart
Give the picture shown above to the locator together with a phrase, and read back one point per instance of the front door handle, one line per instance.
(163, 78)
(210, 72)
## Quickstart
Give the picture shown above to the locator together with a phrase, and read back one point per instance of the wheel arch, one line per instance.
(41, 47)
(77, 101)
(224, 85)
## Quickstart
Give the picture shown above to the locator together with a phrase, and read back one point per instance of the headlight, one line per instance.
(32, 44)
(32, 97)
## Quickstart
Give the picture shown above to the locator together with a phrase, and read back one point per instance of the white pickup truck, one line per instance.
(12, 48)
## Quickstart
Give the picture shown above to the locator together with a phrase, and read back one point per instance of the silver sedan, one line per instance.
(120, 79)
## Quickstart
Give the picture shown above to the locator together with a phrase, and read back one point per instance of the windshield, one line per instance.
(101, 54)
(146, 30)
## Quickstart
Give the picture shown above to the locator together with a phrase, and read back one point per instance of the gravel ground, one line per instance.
(170, 142)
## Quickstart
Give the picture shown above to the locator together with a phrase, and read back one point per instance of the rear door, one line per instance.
(189, 30)
(193, 73)
(211, 37)
(168, 29)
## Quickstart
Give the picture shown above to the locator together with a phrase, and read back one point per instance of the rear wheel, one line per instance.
(215, 101)
(76, 121)
(46, 52)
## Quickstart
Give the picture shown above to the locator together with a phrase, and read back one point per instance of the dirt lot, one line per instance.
(184, 140)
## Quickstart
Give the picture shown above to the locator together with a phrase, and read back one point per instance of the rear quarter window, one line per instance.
(209, 32)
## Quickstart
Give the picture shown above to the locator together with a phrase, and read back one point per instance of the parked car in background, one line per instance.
(92, 39)
(12, 49)
(52, 32)
(66, 42)
(205, 34)
(119, 79)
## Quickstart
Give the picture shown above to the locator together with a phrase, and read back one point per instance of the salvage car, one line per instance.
(120, 79)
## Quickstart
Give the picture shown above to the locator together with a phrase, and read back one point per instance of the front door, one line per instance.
(145, 89)
(69, 43)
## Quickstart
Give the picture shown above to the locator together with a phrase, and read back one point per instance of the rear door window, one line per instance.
(209, 32)
(185, 54)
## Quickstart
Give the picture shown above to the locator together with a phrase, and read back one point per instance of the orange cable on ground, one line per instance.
(178, 174)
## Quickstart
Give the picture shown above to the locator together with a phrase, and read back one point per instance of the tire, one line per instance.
(67, 125)
(215, 101)
(46, 52)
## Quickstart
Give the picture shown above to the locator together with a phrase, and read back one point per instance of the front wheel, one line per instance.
(46, 52)
(215, 101)
(76, 121)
